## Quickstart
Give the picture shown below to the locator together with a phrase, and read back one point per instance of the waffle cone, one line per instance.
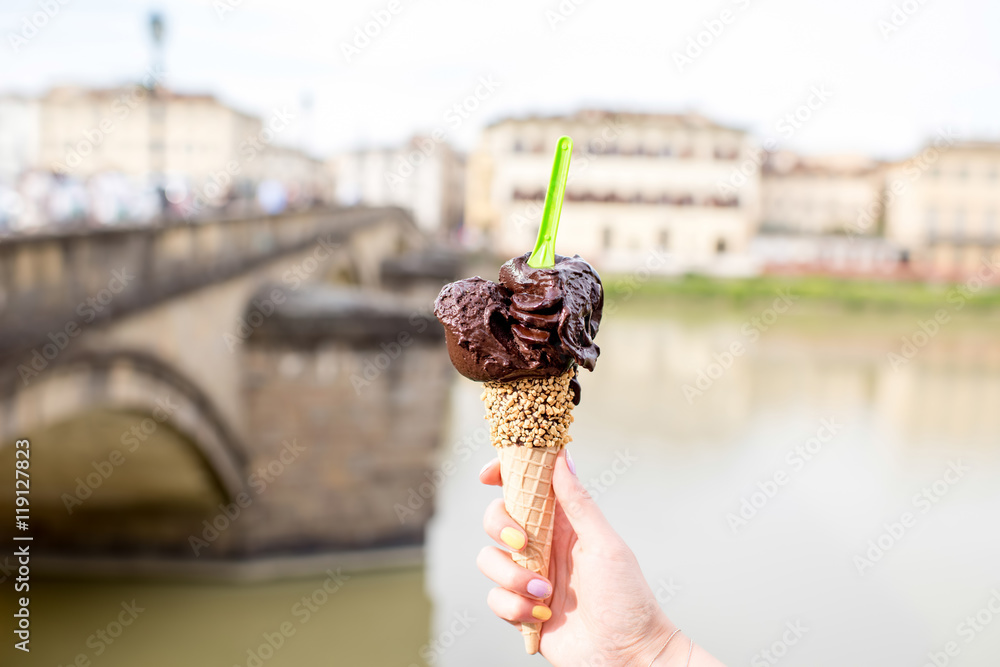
(529, 419)
(530, 501)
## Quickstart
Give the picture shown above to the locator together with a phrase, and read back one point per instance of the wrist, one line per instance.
(667, 647)
(675, 654)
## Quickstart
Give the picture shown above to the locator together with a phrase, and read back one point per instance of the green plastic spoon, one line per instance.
(544, 254)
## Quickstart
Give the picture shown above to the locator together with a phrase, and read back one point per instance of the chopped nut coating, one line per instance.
(532, 412)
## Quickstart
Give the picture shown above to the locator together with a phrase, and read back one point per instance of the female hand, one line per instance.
(601, 611)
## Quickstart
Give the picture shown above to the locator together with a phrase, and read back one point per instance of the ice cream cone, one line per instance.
(529, 419)
(528, 497)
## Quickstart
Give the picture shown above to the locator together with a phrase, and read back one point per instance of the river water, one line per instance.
(856, 443)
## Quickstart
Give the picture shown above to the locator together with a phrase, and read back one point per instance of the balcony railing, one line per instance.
(664, 199)
(606, 148)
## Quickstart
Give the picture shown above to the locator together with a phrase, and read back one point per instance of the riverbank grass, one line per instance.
(849, 293)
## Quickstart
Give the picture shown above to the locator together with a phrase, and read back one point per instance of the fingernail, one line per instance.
(569, 462)
(513, 538)
(541, 612)
(540, 589)
(484, 468)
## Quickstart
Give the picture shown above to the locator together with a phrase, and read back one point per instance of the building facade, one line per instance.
(638, 184)
(821, 195)
(19, 136)
(425, 177)
(944, 207)
(103, 155)
(307, 179)
(130, 130)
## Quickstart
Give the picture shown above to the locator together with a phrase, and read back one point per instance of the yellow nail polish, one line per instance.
(541, 612)
(513, 538)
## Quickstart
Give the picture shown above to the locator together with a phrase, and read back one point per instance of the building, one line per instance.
(307, 179)
(101, 155)
(944, 207)
(828, 254)
(823, 215)
(19, 136)
(131, 131)
(638, 184)
(425, 177)
(820, 195)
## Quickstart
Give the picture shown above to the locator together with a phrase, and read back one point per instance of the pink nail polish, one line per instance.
(484, 468)
(569, 463)
(539, 589)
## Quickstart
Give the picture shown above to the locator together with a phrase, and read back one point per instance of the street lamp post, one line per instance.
(157, 113)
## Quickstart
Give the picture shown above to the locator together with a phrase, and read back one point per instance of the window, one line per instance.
(960, 222)
(720, 247)
(990, 224)
(663, 240)
(932, 221)
(606, 238)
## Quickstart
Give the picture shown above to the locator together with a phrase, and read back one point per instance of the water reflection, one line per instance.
(684, 468)
(371, 620)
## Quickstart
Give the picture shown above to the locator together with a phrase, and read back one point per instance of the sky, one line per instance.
(883, 76)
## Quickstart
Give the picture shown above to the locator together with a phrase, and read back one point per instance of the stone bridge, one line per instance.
(230, 389)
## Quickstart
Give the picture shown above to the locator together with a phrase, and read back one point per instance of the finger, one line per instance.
(490, 474)
(583, 513)
(496, 564)
(513, 607)
(502, 528)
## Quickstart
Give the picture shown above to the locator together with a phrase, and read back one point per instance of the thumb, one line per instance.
(583, 513)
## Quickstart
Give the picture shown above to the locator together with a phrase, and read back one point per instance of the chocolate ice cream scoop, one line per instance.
(534, 322)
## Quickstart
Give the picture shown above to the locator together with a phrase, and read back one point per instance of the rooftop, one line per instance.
(789, 163)
(63, 94)
(594, 116)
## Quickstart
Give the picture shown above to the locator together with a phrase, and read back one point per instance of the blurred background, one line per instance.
(222, 227)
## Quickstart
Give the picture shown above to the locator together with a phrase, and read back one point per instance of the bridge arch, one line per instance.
(124, 380)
